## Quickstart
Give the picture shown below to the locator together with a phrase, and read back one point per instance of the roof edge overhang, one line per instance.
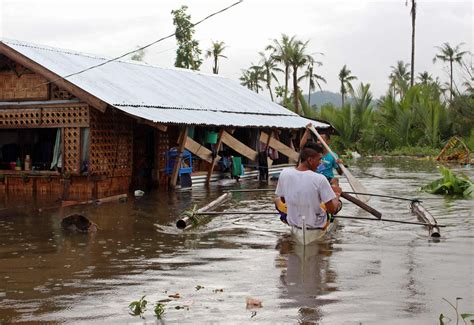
(52, 77)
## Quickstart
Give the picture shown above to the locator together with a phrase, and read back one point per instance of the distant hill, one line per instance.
(322, 97)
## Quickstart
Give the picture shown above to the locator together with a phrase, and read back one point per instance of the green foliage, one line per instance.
(451, 55)
(252, 78)
(450, 184)
(138, 55)
(470, 141)
(345, 78)
(461, 114)
(159, 310)
(412, 151)
(138, 307)
(188, 52)
(464, 316)
(215, 52)
(353, 121)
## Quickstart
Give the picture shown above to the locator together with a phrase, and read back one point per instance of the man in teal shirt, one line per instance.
(328, 163)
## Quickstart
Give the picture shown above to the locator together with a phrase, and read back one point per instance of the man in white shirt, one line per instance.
(303, 190)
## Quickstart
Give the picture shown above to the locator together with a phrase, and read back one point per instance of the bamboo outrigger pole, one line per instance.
(425, 216)
(189, 220)
(218, 213)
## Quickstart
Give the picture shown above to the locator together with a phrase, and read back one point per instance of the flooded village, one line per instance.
(135, 192)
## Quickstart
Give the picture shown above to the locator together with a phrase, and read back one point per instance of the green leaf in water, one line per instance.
(138, 307)
(450, 184)
(159, 310)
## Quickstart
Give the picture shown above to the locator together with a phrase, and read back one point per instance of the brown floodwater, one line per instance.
(366, 272)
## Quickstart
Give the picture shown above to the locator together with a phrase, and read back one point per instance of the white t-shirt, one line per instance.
(303, 193)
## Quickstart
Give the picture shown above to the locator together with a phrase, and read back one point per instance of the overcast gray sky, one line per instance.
(368, 36)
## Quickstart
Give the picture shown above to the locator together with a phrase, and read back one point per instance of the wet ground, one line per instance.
(367, 272)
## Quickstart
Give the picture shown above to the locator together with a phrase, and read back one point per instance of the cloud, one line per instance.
(368, 36)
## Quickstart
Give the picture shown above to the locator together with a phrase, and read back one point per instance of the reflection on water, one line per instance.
(368, 272)
(307, 276)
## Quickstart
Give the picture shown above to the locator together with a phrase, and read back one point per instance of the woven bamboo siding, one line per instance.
(45, 117)
(72, 150)
(28, 86)
(111, 144)
(163, 145)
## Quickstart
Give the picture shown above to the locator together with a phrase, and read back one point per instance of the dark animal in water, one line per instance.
(78, 223)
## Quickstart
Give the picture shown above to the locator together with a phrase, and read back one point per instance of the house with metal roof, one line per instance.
(82, 125)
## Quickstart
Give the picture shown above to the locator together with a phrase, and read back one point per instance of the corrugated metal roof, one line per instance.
(166, 95)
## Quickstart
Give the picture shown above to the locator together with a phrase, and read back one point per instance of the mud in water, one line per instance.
(367, 272)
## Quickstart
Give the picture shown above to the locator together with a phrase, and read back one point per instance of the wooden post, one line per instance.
(267, 146)
(179, 156)
(215, 159)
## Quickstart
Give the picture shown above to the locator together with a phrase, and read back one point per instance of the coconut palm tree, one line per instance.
(413, 18)
(345, 78)
(312, 77)
(281, 52)
(216, 52)
(252, 77)
(399, 78)
(425, 78)
(269, 67)
(298, 59)
(246, 80)
(451, 55)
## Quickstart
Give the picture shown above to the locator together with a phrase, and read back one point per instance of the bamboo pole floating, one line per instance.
(424, 215)
(188, 220)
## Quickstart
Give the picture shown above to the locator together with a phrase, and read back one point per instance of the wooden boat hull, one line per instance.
(312, 235)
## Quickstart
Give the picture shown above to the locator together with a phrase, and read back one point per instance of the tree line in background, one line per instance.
(425, 114)
(415, 112)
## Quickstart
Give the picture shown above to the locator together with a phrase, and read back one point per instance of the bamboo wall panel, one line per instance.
(111, 144)
(59, 93)
(163, 145)
(72, 149)
(75, 116)
(27, 86)
(45, 117)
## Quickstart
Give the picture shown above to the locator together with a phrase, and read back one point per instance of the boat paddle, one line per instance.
(353, 182)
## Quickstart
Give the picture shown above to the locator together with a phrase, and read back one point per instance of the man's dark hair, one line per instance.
(309, 150)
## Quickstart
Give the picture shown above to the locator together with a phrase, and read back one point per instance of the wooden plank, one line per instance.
(199, 150)
(239, 146)
(177, 166)
(280, 147)
(52, 77)
(215, 160)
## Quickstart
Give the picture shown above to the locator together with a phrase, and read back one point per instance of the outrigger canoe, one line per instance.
(304, 235)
